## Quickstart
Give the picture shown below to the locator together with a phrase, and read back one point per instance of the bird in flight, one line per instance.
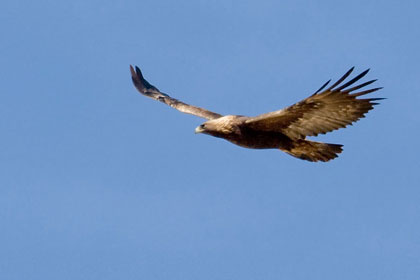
(326, 110)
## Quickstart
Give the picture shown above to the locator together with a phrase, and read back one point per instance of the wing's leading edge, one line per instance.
(147, 89)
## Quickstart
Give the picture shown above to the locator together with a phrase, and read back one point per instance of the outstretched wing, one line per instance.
(325, 111)
(145, 88)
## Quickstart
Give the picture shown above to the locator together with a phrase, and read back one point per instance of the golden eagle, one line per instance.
(326, 110)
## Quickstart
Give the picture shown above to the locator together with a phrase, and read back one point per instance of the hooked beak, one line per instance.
(198, 129)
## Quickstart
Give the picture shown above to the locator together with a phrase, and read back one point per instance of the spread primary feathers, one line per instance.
(326, 110)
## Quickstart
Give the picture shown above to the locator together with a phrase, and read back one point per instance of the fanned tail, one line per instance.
(314, 151)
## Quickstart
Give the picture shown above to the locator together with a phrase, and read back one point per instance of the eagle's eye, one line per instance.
(202, 126)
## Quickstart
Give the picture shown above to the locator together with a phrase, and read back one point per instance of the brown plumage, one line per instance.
(324, 111)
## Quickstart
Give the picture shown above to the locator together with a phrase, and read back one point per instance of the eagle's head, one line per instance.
(220, 127)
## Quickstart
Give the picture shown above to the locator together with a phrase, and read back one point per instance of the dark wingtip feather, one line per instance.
(374, 99)
(359, 86)
(137, 81)
(133, 74)
(350, 71)
(322, 87)
(352, 81)
(138, 71)
(377, 98)
(140, 82)
(341, 79)
(365, 92)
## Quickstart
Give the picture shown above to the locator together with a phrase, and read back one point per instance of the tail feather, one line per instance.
(314, 151)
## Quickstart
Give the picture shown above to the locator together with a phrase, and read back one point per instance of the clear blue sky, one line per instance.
(99, 182)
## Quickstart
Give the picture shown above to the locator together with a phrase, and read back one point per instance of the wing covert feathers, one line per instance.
(145, 88)
(334, 108)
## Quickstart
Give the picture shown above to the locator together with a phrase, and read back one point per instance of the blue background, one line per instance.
(99, 182)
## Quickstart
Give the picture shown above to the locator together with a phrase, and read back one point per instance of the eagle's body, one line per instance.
(286, 129)
(234, 129)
